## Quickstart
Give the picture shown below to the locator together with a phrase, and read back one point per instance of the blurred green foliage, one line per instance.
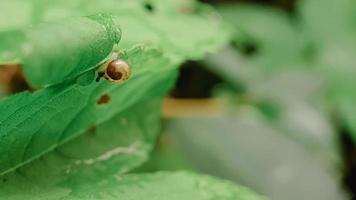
(281, 133)
(317, 40)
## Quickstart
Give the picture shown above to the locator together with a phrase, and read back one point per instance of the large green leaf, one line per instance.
(53, 52)
(106, 150)
(184, 29)
(163, 185)
(34, 123)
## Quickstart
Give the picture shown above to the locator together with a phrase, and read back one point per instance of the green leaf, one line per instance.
(182, 35)
(57, 51)
(163, 185)
(116, 146)
(184, 29)
(32, 124)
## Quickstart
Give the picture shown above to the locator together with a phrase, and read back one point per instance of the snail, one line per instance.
(114, 70)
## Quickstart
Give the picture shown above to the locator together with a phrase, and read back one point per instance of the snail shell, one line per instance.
(116, 71)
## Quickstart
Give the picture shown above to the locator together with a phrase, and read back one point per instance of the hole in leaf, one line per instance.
(104, 99)
(92, 130)
(248, 48)
(149, 7)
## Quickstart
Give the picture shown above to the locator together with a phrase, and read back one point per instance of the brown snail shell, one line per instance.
(116, 71)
